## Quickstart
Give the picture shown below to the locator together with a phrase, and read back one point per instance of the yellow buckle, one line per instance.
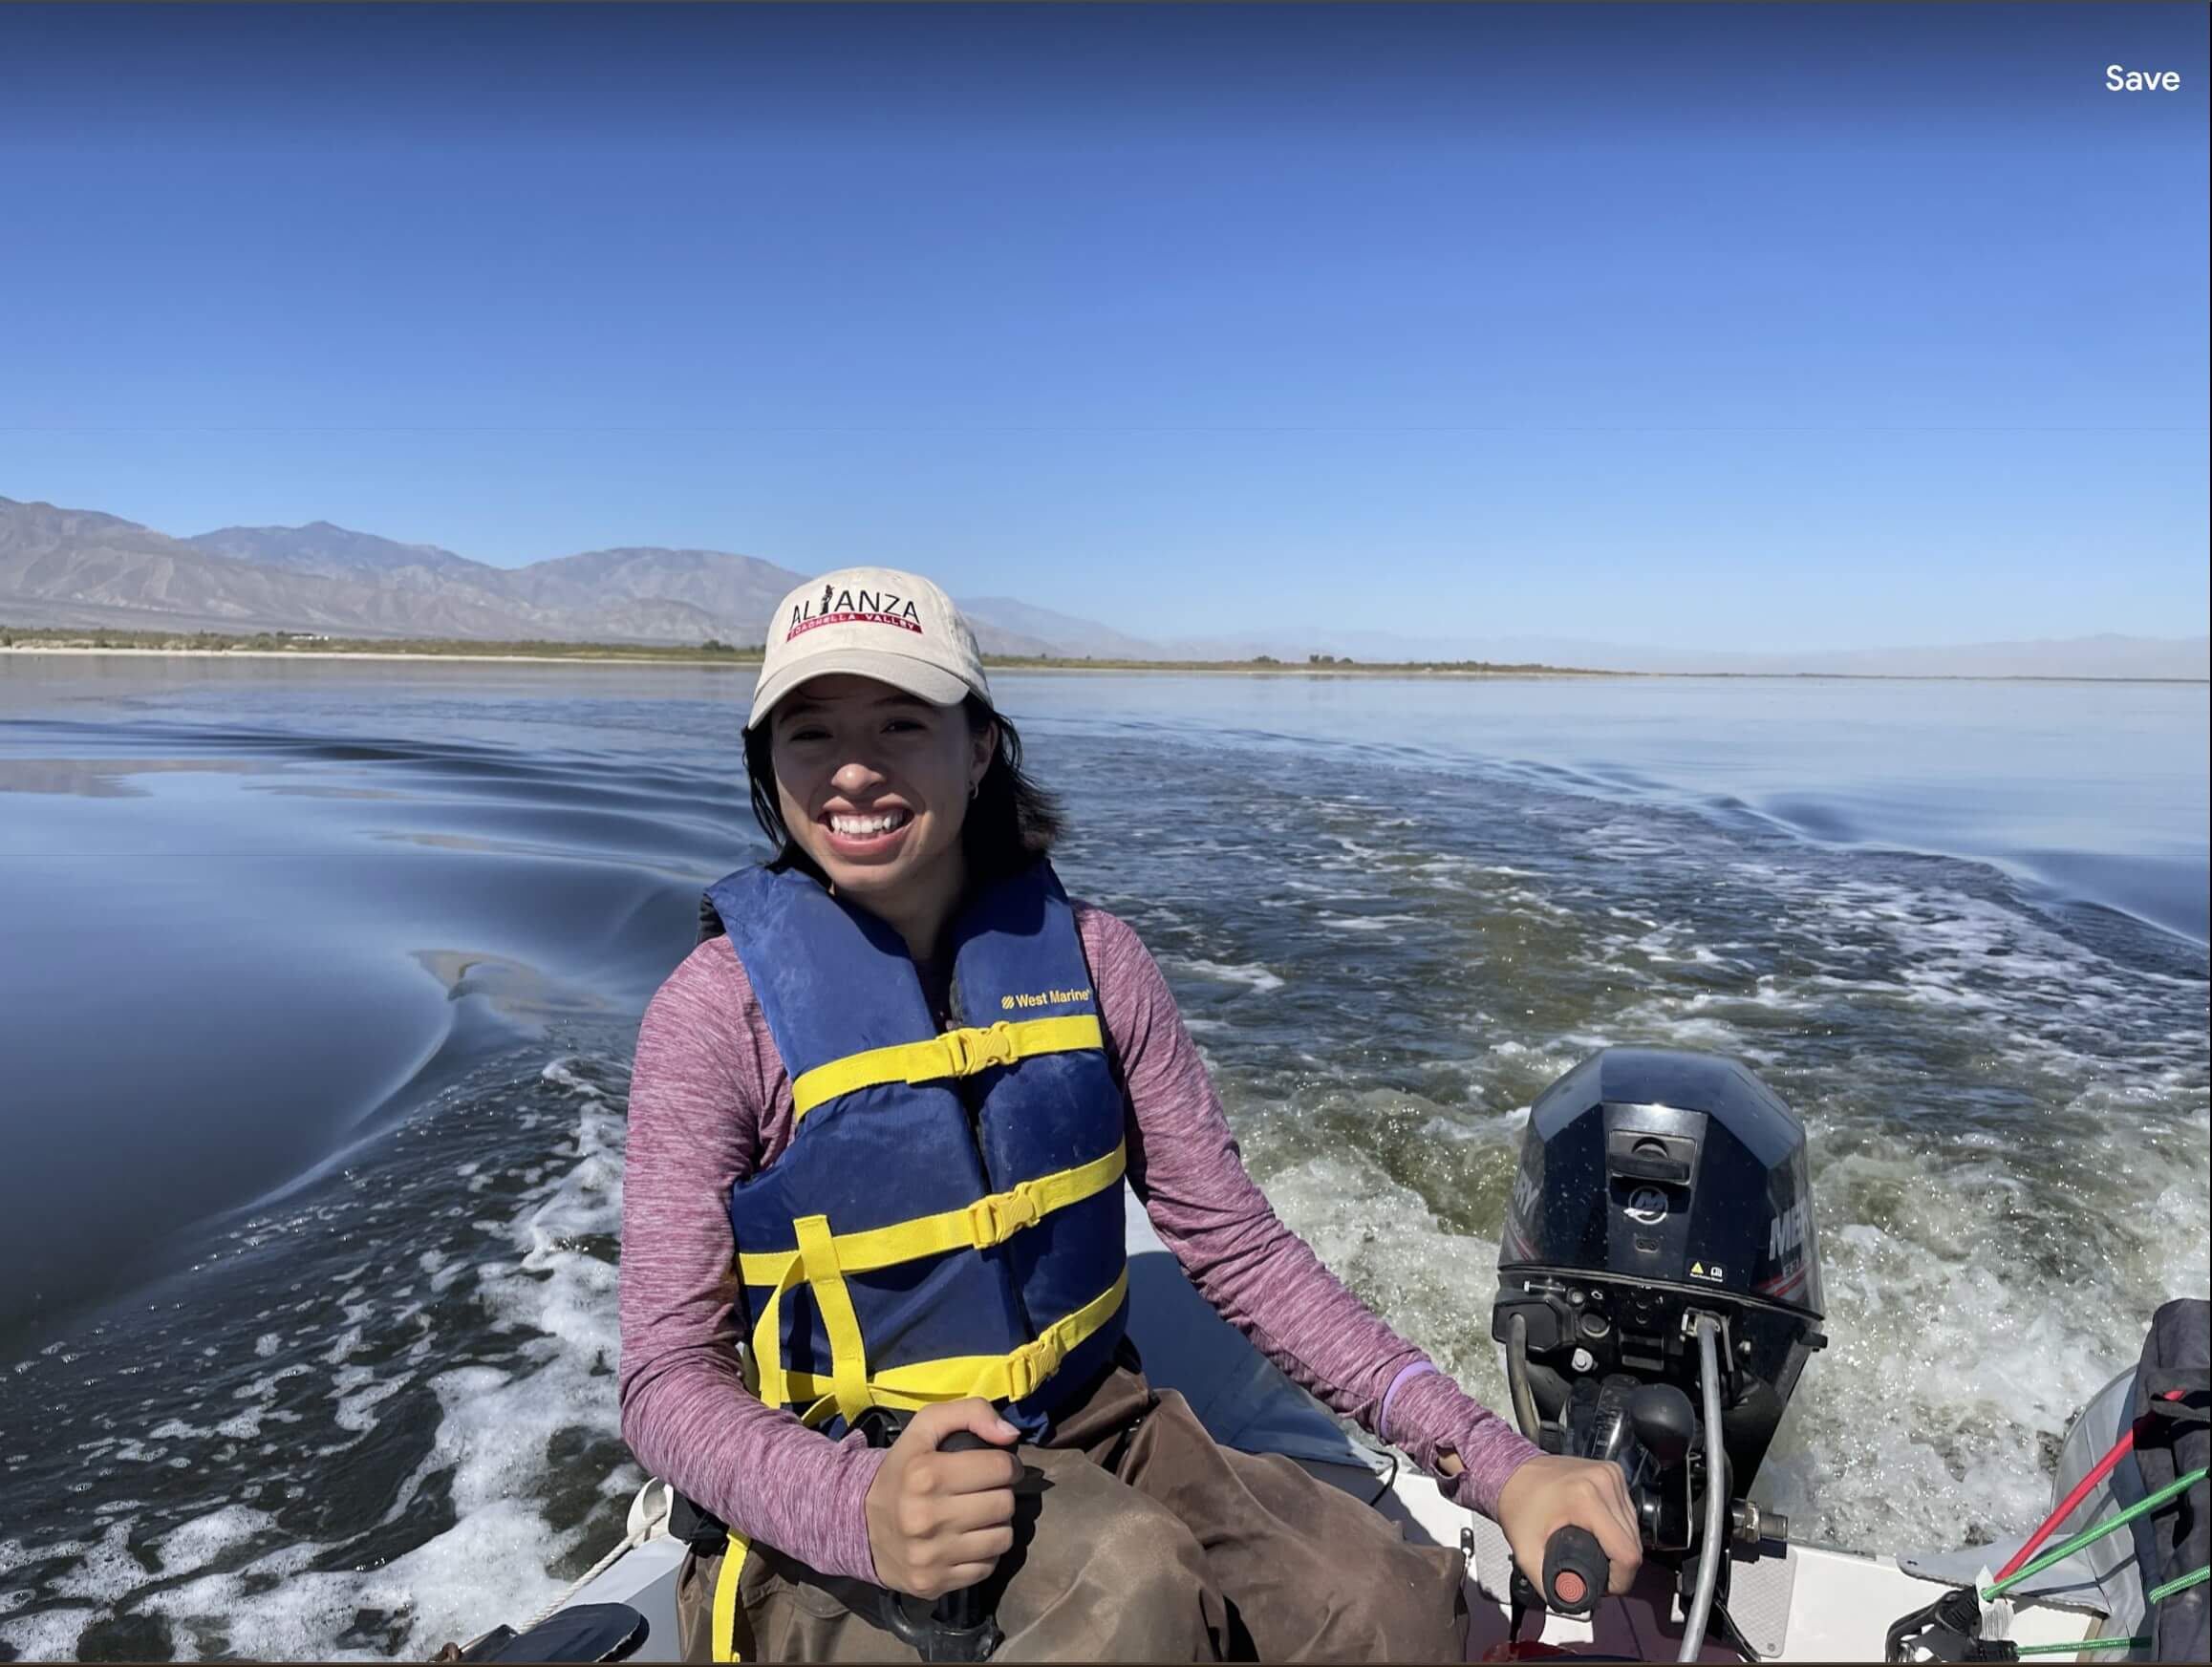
(998, 1216)
(978, 1050)
(1031, 1364)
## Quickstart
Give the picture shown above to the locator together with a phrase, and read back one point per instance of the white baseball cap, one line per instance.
(871, 622)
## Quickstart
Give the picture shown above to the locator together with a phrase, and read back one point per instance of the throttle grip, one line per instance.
(961, 1611)
(1572, 1559)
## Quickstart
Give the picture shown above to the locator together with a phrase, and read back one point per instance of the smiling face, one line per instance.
(874, 785)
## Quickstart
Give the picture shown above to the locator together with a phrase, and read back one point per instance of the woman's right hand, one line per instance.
(939, 1522)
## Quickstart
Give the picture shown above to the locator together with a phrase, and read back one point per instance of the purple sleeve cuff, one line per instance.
(1412, 1370)
(847, 1522)
(1439, 1418)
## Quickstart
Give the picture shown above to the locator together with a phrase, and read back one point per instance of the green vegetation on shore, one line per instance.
(1269, 663)
(313, 643)
(712, 651)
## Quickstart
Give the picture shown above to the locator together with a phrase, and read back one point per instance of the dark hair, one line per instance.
(1012, 822)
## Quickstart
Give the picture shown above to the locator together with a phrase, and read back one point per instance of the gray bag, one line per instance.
(2172, 1438)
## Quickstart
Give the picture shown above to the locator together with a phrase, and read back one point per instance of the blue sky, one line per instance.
(1742, 327)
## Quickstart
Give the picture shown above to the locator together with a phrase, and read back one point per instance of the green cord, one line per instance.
(2085, 1647)
(2195, 1577)
(2089, 1646)
(2110, 1525)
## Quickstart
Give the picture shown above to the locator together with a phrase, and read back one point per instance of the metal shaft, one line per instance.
(1516, 1375)
(1715, 1545)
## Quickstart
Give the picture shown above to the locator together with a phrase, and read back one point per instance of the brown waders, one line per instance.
(1147, 1542)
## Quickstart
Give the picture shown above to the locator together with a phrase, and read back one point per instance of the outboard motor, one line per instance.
(1658, 1294)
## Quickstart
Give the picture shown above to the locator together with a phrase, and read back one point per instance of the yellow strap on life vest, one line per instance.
(824, 1258)
(848, 1354)
(769, 1333)
(989, 1221)
(958, 1053)
(723, 1642)
(1001, 1378)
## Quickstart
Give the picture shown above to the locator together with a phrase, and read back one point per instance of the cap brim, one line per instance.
(921, 678)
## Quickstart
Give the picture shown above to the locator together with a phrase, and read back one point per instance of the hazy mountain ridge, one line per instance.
(81, 568)
(335, 552)
(1059, 633)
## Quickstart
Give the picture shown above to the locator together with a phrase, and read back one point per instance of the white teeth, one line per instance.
(861, 827)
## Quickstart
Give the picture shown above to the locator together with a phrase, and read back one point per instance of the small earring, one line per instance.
(974, 788)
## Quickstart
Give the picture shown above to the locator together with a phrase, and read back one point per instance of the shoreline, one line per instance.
(377, 655)
(752, 663)
(1063, 667)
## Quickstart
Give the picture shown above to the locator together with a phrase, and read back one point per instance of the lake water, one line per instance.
(318, 983)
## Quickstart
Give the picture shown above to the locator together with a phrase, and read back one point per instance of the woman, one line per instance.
(904, 1076)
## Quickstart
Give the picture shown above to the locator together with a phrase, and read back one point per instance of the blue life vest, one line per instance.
(947, 1220)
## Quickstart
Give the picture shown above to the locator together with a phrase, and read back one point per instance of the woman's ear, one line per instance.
(983, 749)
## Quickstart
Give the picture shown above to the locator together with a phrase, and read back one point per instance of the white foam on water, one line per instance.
(1623, 837)
(1355, 852)
(1470, 876)
(1251, 974)
(1680, 1021)
(1379, 1237)
(493, 1433)
(563, 1072)
(244, 1426)
(1663, 944)
(49, 1635)
(1925, 1422)
(1365, 923)
(198, 1543)
(104, 1571)
(1506, 1075)
(17, 1553)
(357, 1391)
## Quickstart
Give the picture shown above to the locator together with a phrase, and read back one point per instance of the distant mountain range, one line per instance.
(81, 568)
(78, 567)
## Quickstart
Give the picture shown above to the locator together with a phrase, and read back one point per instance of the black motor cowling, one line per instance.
(1656, 1186)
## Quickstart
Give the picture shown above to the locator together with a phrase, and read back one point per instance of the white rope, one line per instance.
(647, 1518)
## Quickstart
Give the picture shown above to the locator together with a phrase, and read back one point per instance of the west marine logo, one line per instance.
(835, 607)
(1043, 998)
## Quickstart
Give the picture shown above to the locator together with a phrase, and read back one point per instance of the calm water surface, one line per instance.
(318, 983)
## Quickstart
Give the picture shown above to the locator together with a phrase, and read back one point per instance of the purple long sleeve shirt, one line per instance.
(710, 1104)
